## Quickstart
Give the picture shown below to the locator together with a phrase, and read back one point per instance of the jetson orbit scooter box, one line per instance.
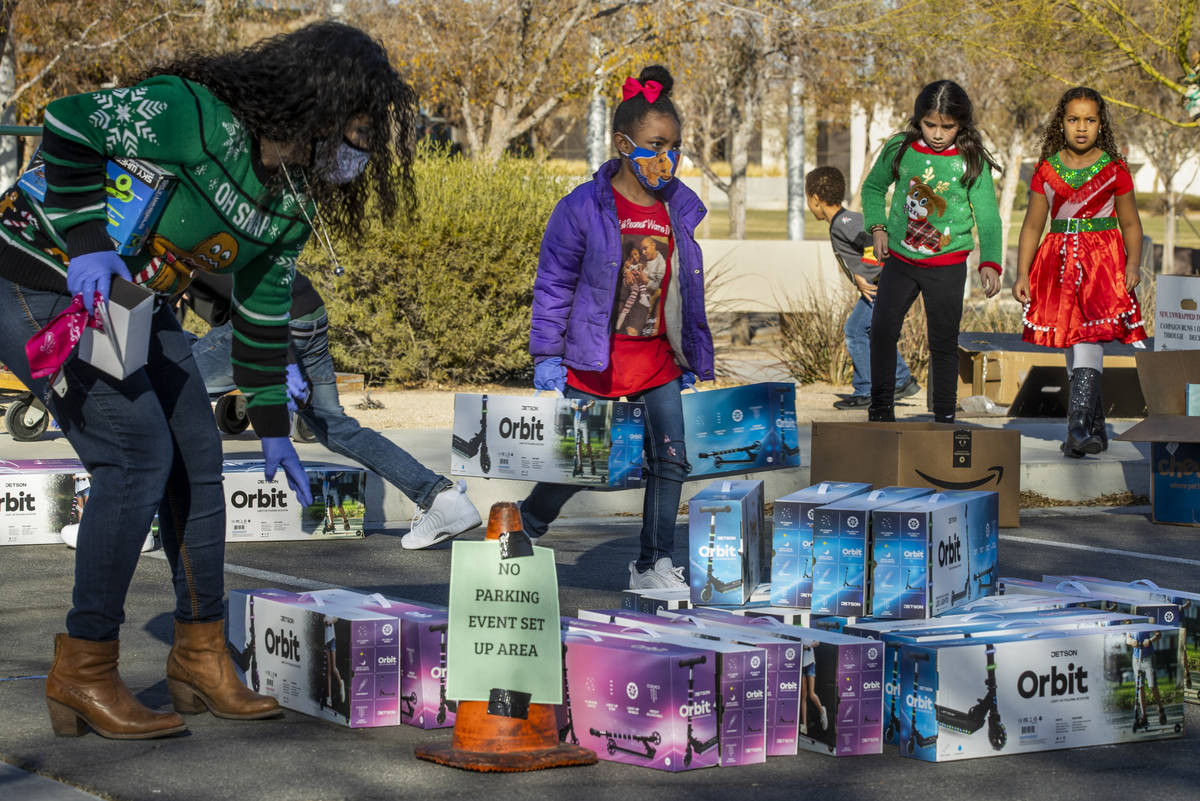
(842, 550)
(37, 499)
(1042, 691)
(257, 510)
(651, 704)
(333, 662)
(1106, 599)
(726, 542)
(739, 676)
(742, 429)
(592, 443)
(791, 564)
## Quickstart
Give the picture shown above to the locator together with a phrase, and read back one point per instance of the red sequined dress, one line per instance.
(1077, 281)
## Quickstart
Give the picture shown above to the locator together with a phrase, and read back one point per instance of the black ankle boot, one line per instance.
(1085, 393)
(881, 414)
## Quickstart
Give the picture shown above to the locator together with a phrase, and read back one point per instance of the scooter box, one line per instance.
(593, 443)
(650, 601)
(784, 614)
(37, 500)
(792, 521)
(333, 662)
(423, 667)
(728, 551)
(740, 679)
(738, 430)
(783, 665)
(1040, 691)
(1189, 618)
(933, 553)
(257, 510)
(1017, 602)
(650, 704)
(1108, 599)
(842, 550)
(844, 672)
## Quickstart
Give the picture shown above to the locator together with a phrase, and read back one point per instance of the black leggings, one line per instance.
(942, 288)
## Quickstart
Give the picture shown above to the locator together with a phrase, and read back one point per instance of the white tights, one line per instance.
(1085, 354)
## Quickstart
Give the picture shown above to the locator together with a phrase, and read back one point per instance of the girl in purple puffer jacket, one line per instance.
(632, 202)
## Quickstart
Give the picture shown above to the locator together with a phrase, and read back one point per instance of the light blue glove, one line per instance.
(550, 375)
(298, 390)
(91, 274)
(687, 380)
(279, 451)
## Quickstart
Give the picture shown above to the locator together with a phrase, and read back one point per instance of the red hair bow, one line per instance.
(633, 87)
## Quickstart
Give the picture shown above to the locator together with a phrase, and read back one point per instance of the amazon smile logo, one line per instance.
(995, 474)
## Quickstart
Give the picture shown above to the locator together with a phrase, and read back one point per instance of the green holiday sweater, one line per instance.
(932, 212)
(219, 218)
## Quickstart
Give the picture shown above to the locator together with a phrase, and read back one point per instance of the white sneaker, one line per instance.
(70, 535)
(663, 576)
(450, 514)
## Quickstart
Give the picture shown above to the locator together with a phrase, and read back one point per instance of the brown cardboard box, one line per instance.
(1173, 436)
(937, 455)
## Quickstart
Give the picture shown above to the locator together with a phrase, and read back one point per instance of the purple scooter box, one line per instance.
(423, 630)
(651, 704)
(740, 679)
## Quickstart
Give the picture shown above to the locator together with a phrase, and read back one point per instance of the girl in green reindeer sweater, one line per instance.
(259, 141)
(943, 190)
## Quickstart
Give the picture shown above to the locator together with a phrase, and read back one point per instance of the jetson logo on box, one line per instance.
(21, 502)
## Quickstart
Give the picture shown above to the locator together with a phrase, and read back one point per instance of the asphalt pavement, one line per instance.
(303, 759)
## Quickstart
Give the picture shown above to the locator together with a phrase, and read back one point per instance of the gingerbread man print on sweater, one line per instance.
(920, 236)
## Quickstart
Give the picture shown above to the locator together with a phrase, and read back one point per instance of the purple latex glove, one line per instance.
(550, 375)
(298, 390)
(91, 274)
(279, 451)
(687, 380)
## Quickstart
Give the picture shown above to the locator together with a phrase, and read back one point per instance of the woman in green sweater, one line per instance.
(260, 142)
(942, 174)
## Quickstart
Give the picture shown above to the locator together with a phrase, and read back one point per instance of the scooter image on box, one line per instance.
(567, 732)
(408, 706)
(694, 744)
(712, 582)
(720, 458)
(245, 659)
(989, 574)
(916, 739)
(986, 709)
(444, 703)
(476, 444)
(649, 742)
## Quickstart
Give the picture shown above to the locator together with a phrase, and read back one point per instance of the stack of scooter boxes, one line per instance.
(356, 660)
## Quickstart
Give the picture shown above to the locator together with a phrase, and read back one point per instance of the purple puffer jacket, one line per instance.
(579, 268)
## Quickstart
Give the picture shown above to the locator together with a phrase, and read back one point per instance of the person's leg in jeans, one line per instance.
(545, 501)
(666, 469)
(213, 353)
(858, 343)
(343, 434)
(897, 290)
(942, 289)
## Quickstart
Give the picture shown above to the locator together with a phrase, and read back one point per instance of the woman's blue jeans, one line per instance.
(666, 468)
(324, 415)
(151, 446)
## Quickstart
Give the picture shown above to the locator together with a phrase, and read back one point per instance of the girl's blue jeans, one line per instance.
(151, 446)
(666, 468)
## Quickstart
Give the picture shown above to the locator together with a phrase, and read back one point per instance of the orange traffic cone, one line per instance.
(498, 743)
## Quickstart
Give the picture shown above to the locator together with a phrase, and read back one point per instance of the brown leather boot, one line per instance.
(84, 689)
(200, 673)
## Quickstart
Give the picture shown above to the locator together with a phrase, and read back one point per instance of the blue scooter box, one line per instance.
(791, 565)
(725, 542)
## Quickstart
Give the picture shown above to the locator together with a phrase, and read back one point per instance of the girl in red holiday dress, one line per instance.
(1077, 286)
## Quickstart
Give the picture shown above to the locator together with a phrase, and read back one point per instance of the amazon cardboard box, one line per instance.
(1174, 437)
(941, 456)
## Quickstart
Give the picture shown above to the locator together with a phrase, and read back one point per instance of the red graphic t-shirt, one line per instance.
(640, 357)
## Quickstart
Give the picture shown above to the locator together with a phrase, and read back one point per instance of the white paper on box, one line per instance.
(1177, 313)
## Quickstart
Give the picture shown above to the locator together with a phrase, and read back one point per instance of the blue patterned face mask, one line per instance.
(347, 164)
(652, 168)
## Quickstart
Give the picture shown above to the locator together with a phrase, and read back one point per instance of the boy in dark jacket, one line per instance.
(825, 188)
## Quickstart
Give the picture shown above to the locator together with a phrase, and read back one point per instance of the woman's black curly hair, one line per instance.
(1053, 138)
(304, 87)
(950, 100)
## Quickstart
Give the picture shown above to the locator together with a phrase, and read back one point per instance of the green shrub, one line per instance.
(444, 299)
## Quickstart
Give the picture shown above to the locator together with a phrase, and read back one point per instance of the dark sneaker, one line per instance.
(853, 402)
(908, 389)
